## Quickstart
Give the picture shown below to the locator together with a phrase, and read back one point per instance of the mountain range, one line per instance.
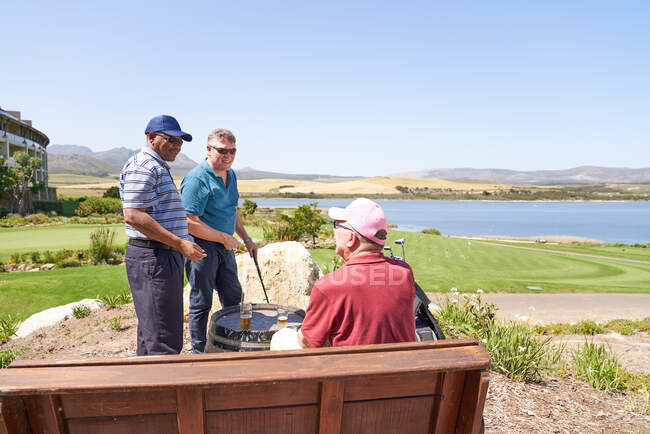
(82, 160)
(576, 175)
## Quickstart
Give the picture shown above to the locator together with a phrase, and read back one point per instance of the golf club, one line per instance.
(261, 281)
(402, 242)
(389, 249)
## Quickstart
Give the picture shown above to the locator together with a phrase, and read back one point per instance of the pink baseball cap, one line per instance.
(365, 217)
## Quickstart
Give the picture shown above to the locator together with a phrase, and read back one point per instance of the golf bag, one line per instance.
(426, 326)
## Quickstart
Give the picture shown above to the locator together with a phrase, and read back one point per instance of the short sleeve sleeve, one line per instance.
(194, 195)
(318, 319)
(139, 188)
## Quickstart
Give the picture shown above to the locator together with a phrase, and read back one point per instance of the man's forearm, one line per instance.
(200, 230)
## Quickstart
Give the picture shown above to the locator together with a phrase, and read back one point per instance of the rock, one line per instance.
(52, 316)
(21, 267)
(46, 267)
(287, 268)
(34, 269)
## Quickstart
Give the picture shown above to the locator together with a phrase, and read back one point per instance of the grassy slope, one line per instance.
(53, 238)
(58, 179)
(628, 252)
(495, 268)
(23, 294)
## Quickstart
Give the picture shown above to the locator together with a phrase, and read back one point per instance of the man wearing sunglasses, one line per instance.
(369, 300)
(209, 193)
(157, 228)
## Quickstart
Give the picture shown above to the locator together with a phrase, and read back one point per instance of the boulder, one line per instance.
(53, 315)
(46, 267)
(289, 274)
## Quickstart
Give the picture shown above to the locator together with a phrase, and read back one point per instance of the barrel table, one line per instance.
(225, 334)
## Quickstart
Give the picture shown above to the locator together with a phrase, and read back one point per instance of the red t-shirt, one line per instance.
(369, 300)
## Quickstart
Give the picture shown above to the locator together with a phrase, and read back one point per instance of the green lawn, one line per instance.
(628, 252)
(440, 263)
(23, 294)
(27, 239)
(56, 179)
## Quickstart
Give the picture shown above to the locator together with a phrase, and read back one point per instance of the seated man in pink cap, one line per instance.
(369, 300)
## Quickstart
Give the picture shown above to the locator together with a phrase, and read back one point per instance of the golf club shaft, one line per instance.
(261, 281)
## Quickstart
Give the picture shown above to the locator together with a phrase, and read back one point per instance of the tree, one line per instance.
(14, 181)
(113, 192)
(309, 219)
(248, 207)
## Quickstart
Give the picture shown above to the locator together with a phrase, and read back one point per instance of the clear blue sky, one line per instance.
(340, 87)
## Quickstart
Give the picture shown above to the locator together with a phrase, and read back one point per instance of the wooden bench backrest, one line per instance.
(401, 388)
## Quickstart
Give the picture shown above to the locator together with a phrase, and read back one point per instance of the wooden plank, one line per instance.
(44, 413)
(211, 373)
(449, 403)
(245, 396)
(331, 407)
(276, 420)
(193, 358)
(469, 402)
(3, 426)
(482, 394)
(393, 386)
(142, 424)
(191, 413)
(118, 403)
(437, 400)
(14, 416)
(387, 416)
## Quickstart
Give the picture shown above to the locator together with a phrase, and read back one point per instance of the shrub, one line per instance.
(518, 353)
(248, 207)
(101, 245)
(7, 356)
(35, 257)
(15, 258)
(115, 324)
(8, 327)
(113, 192)
(80, 311)
(113, 301)
(70, 263)
(598, 366)
(431, 231)
(98, 205)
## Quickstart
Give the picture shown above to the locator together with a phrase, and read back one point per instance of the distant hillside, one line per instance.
(69, 150)
(82, 160)
(576, 175)
(250, 173)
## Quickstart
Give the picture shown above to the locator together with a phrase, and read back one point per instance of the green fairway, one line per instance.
(23, 294)
(57, 179)
(613, 251)
(440, 263)
(27, 239)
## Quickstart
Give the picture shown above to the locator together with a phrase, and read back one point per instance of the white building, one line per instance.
(17, 134)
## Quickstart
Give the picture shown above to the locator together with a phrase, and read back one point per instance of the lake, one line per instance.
(612, 222)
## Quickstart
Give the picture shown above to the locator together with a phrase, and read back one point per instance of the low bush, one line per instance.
(80, 311)
(597, 365)
(115, 324)
(113, 301)
(8, 327)
(101, 245)
(431, 231)
(71, 263)
(7, 356)
(98, 205)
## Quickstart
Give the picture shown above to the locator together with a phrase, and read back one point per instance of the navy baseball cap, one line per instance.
(168, 125)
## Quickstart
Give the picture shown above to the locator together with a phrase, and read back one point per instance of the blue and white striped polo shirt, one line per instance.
(145, 182)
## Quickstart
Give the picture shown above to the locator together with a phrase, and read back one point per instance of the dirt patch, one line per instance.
(558, 405)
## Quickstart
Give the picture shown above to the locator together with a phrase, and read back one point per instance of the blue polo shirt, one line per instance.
(204, 195)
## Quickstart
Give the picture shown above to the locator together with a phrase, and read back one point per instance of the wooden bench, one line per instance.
(420, 387)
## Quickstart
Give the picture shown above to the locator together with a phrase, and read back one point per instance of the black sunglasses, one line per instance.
(223, 151)
(171, 139)
(339, 225)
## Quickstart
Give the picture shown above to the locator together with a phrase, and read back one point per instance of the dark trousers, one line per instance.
(156, 281)
(217, 271)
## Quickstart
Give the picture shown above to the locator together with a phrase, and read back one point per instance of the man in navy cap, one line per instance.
(156, 225)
